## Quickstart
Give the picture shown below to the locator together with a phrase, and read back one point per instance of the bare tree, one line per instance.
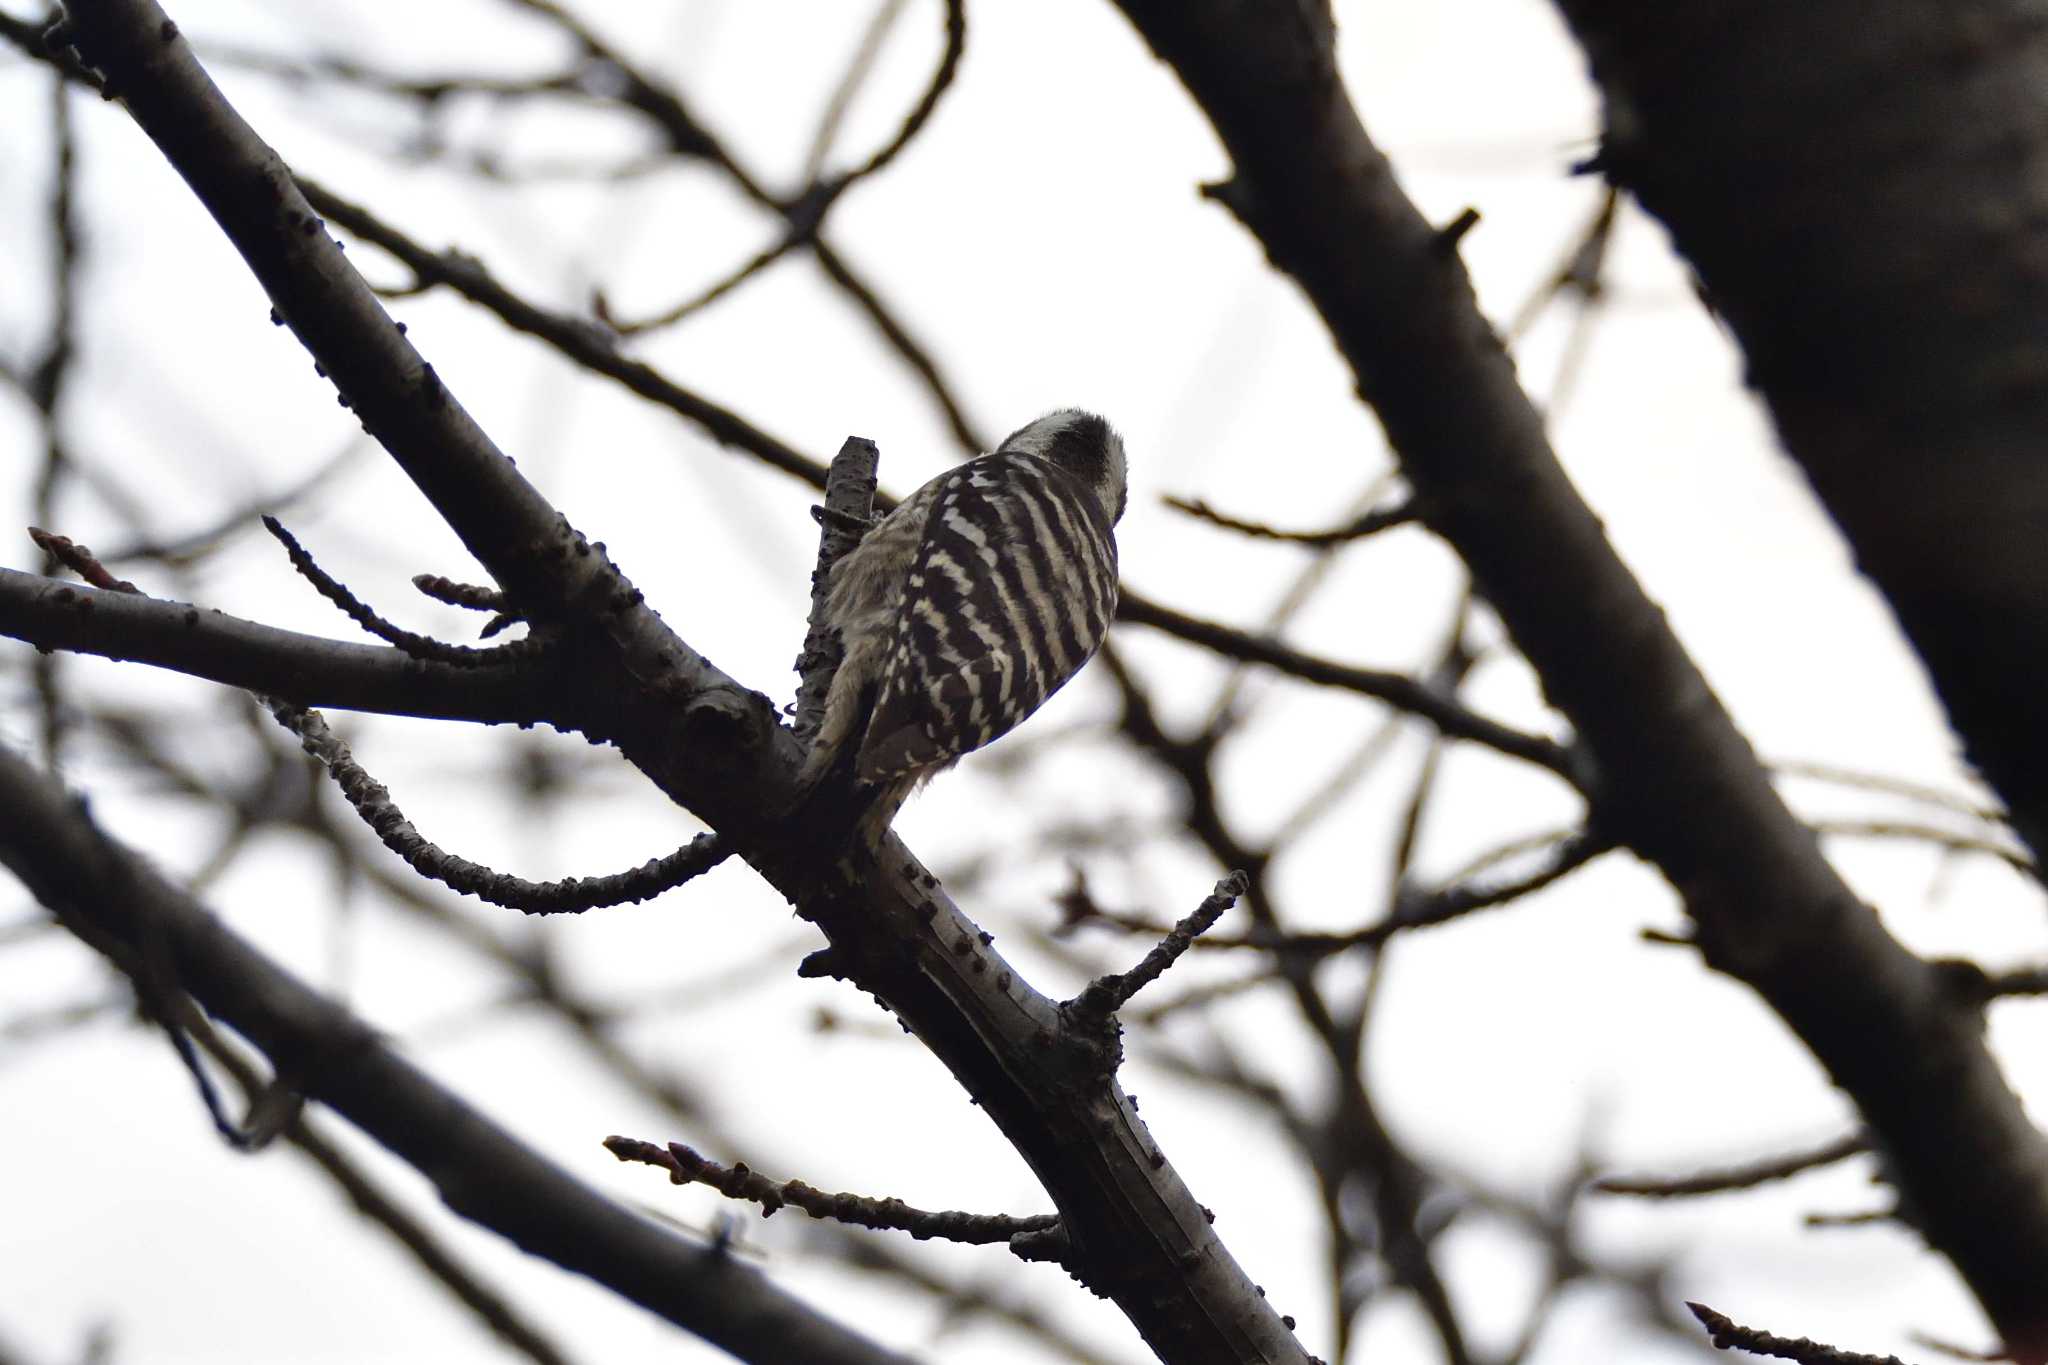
(1862, 256)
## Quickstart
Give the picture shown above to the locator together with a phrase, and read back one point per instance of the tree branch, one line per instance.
(308, 669)
(686, 1166)
(1135, 1232)
(116, 900)
(1676, 780)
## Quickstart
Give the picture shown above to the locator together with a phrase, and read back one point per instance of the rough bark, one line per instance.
(1675, 780)
(170, 943)
(1862, 190)
(1130, 1227)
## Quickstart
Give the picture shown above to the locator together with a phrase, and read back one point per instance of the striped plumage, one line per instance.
(965, 608)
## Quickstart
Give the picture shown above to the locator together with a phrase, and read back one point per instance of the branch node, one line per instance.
(1105, 995)
(417, 646)
(1450, 234)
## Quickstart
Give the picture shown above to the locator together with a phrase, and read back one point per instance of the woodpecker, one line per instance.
(965, 608)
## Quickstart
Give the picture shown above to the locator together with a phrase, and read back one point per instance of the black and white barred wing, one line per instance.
(1012, 590)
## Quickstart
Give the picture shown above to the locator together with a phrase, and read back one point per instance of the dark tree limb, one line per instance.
(1676, 781)
(112, 897)
(1851, 215)
(307, 669)
(1133, 1230)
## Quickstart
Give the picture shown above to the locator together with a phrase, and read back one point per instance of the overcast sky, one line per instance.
(1045, 237)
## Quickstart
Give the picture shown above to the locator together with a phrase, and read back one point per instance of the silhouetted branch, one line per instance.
(572, 895)
(110, 896)
(413, 645)
(1727, 1178)
(686, 1166)
(1358, 528)
(306, 669)
(1105, 995)
(1729, 1335)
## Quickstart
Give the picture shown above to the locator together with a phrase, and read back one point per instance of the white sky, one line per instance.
(1045, 238)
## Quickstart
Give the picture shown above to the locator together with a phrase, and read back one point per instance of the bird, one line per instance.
(966, 607)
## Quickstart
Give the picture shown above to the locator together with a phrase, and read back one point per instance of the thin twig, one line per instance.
(688, 136)
(805, 215)
(738, 1181)
(80, 561)
(185, 548)
(850, 81)
(1727, 1178)
(1412, 909)
(1729, 1335)
(580, 340)
(1395, 689)
(1366, 524)
(418, 646)
(572, 895)
(1105, 995)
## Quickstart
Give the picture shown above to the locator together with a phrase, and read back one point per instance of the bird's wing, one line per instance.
(1012, 589)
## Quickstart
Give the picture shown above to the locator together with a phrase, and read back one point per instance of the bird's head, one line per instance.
(1081, 444)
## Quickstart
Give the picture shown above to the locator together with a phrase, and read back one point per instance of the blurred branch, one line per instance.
(116, 901)
(807, 212)
(496, 1311)
(48, 379)
(1954, 841)
(1921, 792)
(1727, 1178)
(1729, 1335)
(581, 341)
(1370, 523)
(872, 38)
(688, 136)
(1677, 781)
(192, 545)
(1395, 689)
(1136, 1233)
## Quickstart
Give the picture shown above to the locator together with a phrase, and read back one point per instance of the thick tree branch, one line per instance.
(308, 669)
(115, 899)
(1677, 781)
(428, 1249)
(1852, 216)
(1134, 1232)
